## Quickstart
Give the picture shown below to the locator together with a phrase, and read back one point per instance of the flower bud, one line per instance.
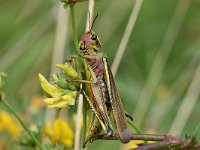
(68, 70)
(62, 101)
(49, 88)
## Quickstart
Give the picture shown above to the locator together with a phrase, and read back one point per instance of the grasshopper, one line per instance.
(102, 94)
(99, 89)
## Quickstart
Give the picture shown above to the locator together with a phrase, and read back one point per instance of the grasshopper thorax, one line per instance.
(90, 46)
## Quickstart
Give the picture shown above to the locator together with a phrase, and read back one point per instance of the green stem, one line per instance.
(75, 38)
(137, 129)
(134, 126)
(11, 109)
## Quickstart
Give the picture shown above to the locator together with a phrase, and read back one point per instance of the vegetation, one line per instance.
(158, 76)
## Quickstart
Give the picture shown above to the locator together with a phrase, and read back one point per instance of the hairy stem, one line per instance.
(146, 137)
(163, 141)
(159, 146)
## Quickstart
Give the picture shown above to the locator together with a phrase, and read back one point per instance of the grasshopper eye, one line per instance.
(93, 37)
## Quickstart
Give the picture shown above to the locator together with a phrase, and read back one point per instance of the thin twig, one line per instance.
(160, 146)
(163, 141)
(126, 36)
(147, 137)
(187, 105)
(160, 60)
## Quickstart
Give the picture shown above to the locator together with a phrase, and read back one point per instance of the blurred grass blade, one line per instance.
(17, 48)
(126, 35)
(160, 110)
(160, 60)
(60, 42)
(187, 105)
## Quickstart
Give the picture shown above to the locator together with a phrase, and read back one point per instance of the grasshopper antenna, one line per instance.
(93, 22)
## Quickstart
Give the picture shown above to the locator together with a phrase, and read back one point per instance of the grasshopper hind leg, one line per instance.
(95, 129)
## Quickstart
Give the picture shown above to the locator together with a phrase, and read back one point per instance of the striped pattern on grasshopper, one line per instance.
(102, 94)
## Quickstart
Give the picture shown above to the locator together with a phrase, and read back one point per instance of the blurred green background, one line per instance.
(28, 35)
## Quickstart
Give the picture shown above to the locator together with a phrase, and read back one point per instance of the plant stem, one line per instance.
(159, 146)
(163, 141)
(134, 126)
(146, 137)
(137, 129)
(11, 109)
(75, 38)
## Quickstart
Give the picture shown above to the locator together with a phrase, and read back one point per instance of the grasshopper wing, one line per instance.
(117, 107)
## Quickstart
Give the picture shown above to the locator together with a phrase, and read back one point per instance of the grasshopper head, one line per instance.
(90, 46)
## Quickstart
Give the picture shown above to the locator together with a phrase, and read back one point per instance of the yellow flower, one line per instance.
(59, 133)
(62, 101)
(49, 88)
(8, 124)
(132, 144)
(60, 97)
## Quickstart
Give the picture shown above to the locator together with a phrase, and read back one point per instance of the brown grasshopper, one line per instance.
(102, 94)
